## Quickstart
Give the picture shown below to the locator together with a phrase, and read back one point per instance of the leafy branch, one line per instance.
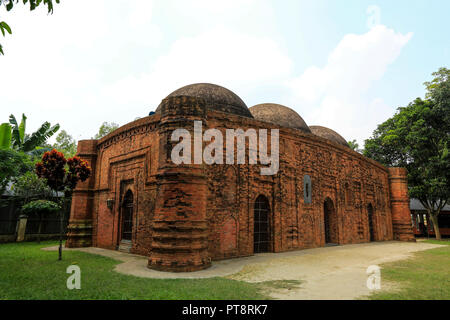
(9, 5)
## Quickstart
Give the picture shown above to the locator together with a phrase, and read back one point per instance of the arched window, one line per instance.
(261, 222)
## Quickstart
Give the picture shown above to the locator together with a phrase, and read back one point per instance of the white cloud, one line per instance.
(219, 56)
(140, 12)
(82, 66)
(141, 29)
(214, 6)
(336, 94)
(50, 69)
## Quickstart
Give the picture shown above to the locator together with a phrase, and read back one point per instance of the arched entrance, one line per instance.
(330, 222)
(126, 229)
(370, 218)
(261, 223)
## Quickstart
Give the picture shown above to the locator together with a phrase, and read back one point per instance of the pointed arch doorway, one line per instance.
(126, 222)
(330, 223)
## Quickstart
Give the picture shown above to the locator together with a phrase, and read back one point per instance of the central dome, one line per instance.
(216, 98)
(279, 115)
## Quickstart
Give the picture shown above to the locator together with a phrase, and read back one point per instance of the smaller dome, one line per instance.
(279, 115)
(328, 134)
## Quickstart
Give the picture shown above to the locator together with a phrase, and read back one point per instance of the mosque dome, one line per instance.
(216, 98)
(328, 134)
(279, 115)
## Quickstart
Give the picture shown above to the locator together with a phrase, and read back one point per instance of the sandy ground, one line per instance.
(332, 272)
(337, 272)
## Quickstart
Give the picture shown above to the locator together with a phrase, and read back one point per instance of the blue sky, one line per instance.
(116, 60)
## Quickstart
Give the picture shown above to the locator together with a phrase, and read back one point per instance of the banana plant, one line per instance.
(18, 131)
(13, 136)
(5, 136)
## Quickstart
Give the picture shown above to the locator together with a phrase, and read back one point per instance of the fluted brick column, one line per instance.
(401, 215)
(80, 222)
(179, 228)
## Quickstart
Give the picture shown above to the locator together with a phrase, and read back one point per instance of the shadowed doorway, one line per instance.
(126, 230)
(261, 230)
(330, 222)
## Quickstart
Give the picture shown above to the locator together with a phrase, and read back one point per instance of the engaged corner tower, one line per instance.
(80, 222)
(401, 215)
(180, 227)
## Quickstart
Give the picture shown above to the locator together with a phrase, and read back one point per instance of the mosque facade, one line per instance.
(183, 216)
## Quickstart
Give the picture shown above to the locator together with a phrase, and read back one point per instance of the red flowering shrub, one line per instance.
(62, 174)
(52, 168)
(78, 170)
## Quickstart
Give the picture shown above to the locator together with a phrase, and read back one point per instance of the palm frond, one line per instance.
(40, 136)
(36, 138)
(22, 127)
(5, 136)
(16, 141)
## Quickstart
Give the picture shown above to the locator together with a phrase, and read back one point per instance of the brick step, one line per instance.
(125, 246)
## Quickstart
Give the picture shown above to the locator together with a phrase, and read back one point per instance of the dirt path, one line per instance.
(325, 273)
(329, 273)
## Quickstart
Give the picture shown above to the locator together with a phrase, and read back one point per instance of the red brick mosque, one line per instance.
(185, 216)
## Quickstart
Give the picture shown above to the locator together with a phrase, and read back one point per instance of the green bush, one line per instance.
(40, 207)
(29, 186)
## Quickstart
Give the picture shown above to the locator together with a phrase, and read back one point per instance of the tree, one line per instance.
(9, 4)
(12, 165)
(62, 174)
(29, 186)
(354, 145)
(66, 144)
(439, 92)
(13, 136)
(106, 128)
(418, 137)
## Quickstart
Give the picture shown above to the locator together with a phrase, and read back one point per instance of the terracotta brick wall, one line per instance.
(296, 224)
(126, 160)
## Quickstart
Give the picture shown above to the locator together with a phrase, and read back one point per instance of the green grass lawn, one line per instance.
(426, 276)
(27, 272)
